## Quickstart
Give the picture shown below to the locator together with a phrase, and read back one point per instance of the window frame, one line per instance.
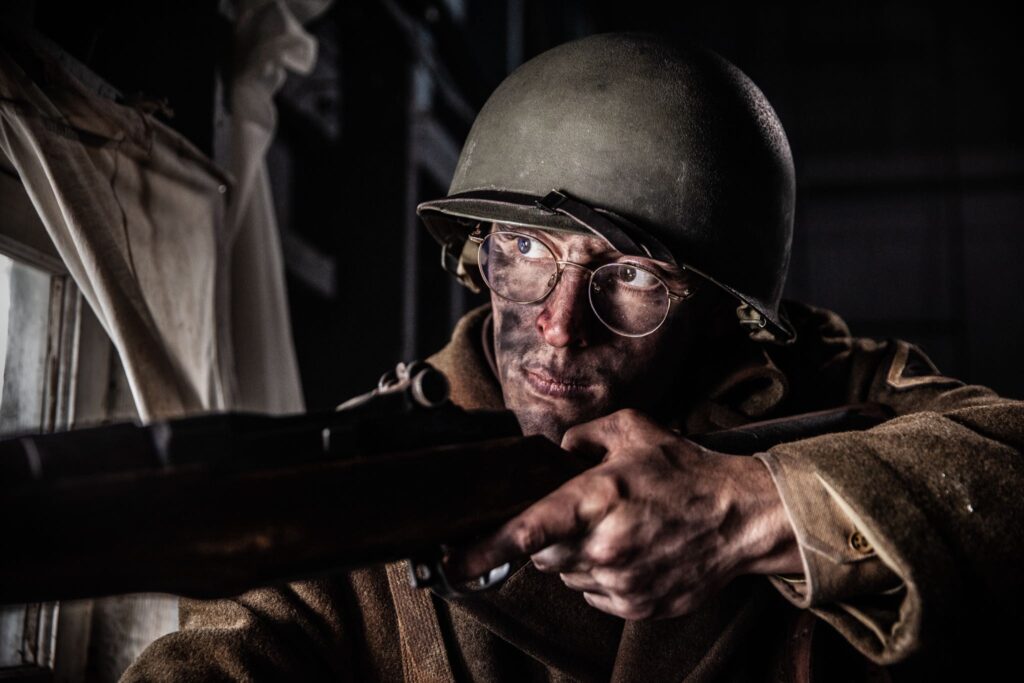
(55, 636)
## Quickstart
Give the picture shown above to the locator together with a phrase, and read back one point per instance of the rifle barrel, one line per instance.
(212, 506)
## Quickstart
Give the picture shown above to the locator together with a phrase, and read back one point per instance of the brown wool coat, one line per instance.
(933, 493)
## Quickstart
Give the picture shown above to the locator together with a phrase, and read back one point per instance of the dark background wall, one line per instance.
(903, 118)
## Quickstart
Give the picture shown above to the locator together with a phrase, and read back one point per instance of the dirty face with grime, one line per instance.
(560, 365)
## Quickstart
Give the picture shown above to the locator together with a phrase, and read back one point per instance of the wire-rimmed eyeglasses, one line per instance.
(628, 298)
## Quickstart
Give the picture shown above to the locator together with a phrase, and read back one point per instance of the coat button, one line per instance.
(860, 544)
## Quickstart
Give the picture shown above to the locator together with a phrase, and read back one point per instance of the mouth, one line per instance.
(549, 384)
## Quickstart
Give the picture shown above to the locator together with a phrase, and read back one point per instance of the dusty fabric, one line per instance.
(133, 211)
(839, 560)
(180, 263)
(269, 41)
(906, 486)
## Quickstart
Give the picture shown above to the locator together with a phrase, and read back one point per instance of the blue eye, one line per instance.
(525, 244)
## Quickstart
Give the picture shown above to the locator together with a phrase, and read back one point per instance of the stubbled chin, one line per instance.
(547, 415)
(552, 419)
(533, 422)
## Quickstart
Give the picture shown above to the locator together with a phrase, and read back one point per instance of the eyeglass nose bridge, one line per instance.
(562, 264)
(557, 277)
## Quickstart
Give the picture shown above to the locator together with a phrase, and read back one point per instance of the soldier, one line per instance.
(629, 205)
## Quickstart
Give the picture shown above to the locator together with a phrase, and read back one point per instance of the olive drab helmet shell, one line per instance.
(663, 150)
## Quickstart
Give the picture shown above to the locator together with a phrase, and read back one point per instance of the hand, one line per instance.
(657, 527)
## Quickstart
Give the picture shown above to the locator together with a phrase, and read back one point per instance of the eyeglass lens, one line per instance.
(625, 297)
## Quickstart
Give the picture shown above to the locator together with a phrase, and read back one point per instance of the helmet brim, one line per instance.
(469, 208)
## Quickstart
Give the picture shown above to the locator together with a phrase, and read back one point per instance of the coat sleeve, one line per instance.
(839, 563)
(912, 531)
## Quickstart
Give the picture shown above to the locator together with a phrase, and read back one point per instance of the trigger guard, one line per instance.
(495, 577)
(431, 574)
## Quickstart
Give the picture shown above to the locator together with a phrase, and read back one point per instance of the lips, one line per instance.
(557, 385)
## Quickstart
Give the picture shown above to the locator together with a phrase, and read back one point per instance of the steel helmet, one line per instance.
(664, 151)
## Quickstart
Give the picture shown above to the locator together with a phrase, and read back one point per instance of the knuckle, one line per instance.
(607, 553)
(627, 417)
(599, 493)
(638, 423)
(526, 537)
(631, 414)
(611, 485)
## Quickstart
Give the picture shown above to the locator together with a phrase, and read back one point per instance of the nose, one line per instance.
(564, 321)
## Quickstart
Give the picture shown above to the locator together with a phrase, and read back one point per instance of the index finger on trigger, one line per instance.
(550, 520)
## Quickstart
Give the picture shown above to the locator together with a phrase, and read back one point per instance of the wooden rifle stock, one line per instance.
(216, 505)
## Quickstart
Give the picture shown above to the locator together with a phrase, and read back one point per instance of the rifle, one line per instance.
(214, 505)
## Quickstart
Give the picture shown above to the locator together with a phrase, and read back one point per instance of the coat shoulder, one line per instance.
(828, 366)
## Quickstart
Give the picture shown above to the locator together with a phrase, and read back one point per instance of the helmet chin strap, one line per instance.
(558, 201)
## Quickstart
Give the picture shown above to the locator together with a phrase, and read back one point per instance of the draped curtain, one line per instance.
(179, 259)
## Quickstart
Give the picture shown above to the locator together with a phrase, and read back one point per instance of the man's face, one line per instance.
(560, 366)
